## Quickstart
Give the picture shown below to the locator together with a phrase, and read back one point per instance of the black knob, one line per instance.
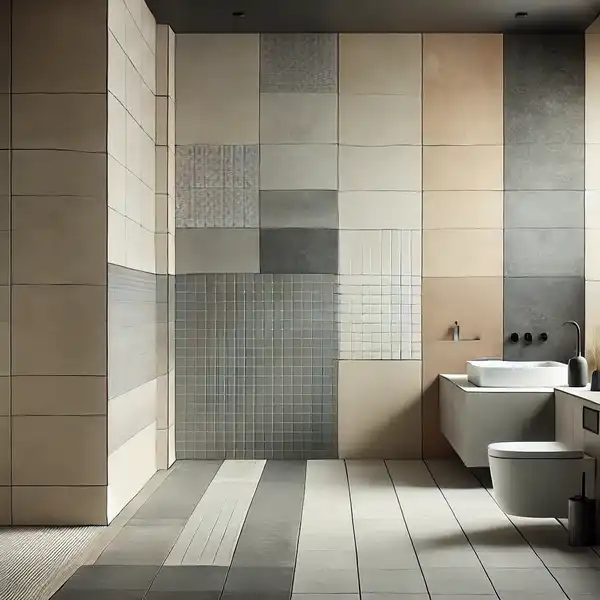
(543, 337)
(514, 338)
(528, 338)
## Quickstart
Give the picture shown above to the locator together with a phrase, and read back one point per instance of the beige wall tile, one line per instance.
(56, 173)
(379, 210)
(592, 209)
(117, 11)
(4, 257)
(463, 82)
(59, 46)
(380, 64)
(5, 330)
(59, 330)
(5, 395)
(463, 253)
(388, 424)
(592, 254)
(384, 168)
(5, 121)
(592, 89)
(4, 172)
(59, 396)
(59, 239)
(117, 240)
(5, 469)
(592, 172)
(54, 505)
(299, 167)
(475, 302)
(5, 212)
(463, 210)
(379, 120)
(220, 74)
(298, 118)
(5, 27)
(5, 505)
(592, 324)
(162, 60)
(59, 122)
(450, 168)
(162, 120)
(59, 450)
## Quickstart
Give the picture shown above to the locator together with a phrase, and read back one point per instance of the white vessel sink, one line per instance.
(507, 374)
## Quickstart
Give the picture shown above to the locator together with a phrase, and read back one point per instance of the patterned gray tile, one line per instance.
(544, 167)
(544, 252)
(544, 209)
(541, 305)
(303, 208)
(303, 62)
(305, 251)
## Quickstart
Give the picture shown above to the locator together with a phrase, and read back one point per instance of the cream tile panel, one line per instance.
(117, 238)
(396, 168)
(389, 425)
(463, 253)
(219, 73)
(117, 182)
(592, 209)
(379, 120)
(298, 118)
(117, 68)
(592, 89)
(380, 252)
(592, 254)
(5, 466)
(463, 210)
(592, 169)
(463, 81)
(59, 450)
(379, 210)
(140, 247)
(452, 168)
(117, 12)
(380, 64)
(299, 167)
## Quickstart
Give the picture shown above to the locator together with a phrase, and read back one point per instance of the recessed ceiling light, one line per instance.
(238, 14)
(521, 15)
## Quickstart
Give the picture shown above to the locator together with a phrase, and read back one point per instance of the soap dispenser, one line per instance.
(578, 367)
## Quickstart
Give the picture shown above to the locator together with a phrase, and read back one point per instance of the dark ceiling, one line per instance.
(312, 16)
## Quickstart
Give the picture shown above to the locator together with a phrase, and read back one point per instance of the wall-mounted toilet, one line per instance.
(536, 479)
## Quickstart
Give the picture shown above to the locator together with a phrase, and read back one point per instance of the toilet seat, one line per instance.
(533, 450)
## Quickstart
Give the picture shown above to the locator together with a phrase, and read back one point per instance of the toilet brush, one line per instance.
(582, 518)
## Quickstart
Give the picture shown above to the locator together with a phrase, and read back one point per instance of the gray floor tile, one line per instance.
(263, 580)
(326, 581)
(115, 577)
(71, 594)
(190, 579)
(536, 596)
(241, 595)
(182, 595)
(392, 581)
(578, 581)
(523, 580)
(327, 597)
(464, 597)
(507, 558)
(457, 581)
(400, 597)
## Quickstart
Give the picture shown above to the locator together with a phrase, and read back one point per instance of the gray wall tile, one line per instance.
(299, 251)
(543, 252)
(303, 208)
(303, 62)
(544, 209)
(217, 251)
(542, 305)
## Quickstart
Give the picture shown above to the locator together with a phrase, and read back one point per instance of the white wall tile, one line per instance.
(116, 19)
(117, 68)
(380, 210)
(117, 130)
(117, 241)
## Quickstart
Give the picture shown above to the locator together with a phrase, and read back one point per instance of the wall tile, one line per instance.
(543, 252)
(544, 89)
(544, 167)
(452, 168)
(5, 49)
(592, 209)
(56, 173)
(5, 257)
(592, 254)
(542, 305)
(5, 498)
(302, 251)
(5, 331)
(221, 74)
(475, 302)
(59, 450)
(5, 451)
(59, 395)
(592, 174)
(379, 210)
(117, 68)
(302, 62)
(395, 168)
(60, 47)
(592, 324)
(592, 89)
(60, 239)
(55, 505)
(544, 209)
(380, 64)
(462, 253)
(4, 172)
(5, 121)
(390, 425)
(298, 118)
(299, 167)
(380, 120)
(380, 252)
(117, 238)
(59, 330)
(5, 395)
(463, 210)
(59, 122)
(217, 250)
(462, 89)
(284, 209)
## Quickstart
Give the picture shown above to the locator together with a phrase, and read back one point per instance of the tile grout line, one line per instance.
(353, 528)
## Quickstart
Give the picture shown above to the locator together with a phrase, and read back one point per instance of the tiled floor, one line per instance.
(333, 530)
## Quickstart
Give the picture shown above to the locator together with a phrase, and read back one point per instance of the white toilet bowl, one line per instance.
(536, 479)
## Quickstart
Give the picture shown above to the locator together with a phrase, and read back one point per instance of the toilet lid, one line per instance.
(532, 450)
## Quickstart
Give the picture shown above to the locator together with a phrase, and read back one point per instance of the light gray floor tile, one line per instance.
(464, 597)
(325, 597)
(578, 581)
(315, 559)
(523, 580)
(568, 557)
(375, 557)
(448, 557)
(325, 580)
(396, 597)
(115, 577)
(190, 579)
(457, 581)
(507, 558)
(392, 581)
(68, 594)
(534, 596)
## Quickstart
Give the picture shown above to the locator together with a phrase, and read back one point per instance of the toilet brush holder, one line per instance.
(582, 519)
(578, 366)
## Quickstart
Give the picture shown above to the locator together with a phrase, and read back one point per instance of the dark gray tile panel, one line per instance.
(544, 209)
(68, 594)
(299, 62)
(183, 596)
(190, 579)
(267, 580)
(302, 251)
(544, 252)
(99, 577)
(541, 305)
(544, 88)
(299, 208)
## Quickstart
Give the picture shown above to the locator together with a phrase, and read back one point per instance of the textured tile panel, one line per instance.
(305, 209)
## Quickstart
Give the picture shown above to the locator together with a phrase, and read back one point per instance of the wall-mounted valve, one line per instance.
(514, 338)
(543, 337)
(528, 338)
